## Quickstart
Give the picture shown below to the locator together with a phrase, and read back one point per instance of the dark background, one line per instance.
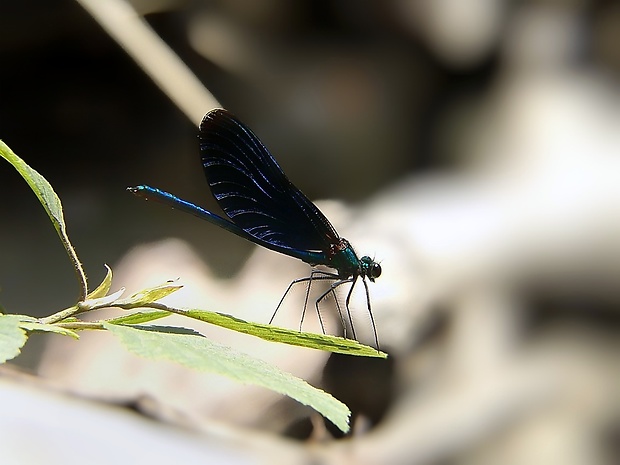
(349, 96)
(80, 111)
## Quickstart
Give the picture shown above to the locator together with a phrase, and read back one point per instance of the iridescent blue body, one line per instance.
(264, 207)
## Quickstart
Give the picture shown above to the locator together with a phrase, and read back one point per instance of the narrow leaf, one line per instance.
(101, 302)
(167, 330)
(47, 328)
(139, 317)
(104, 287)
(51, 203)
(286, 336)
(147, 296)
(200, 353)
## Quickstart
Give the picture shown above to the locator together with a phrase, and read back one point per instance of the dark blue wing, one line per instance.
(254, 192)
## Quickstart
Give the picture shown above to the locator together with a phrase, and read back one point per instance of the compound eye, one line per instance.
(375, 271)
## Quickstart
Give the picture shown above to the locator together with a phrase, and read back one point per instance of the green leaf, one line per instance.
(147, 296)
(286, 336)
(71, 319)
(51, 203)
(104, 287)
(12, 337)
(100, 302)
(200, 353)
(47, 328)
(167, 329)
(139, 317)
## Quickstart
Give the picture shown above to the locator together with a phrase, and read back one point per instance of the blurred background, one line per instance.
(472, 147)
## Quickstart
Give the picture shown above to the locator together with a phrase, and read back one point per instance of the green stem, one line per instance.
(61, 315)
(79, 325)
(77, 266)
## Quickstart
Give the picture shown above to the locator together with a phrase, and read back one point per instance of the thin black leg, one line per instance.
(315, 275)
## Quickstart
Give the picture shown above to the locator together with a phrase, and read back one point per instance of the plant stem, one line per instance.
(61, 315)
(79, 325)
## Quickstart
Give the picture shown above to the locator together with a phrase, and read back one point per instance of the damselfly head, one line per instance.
(370, 268)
